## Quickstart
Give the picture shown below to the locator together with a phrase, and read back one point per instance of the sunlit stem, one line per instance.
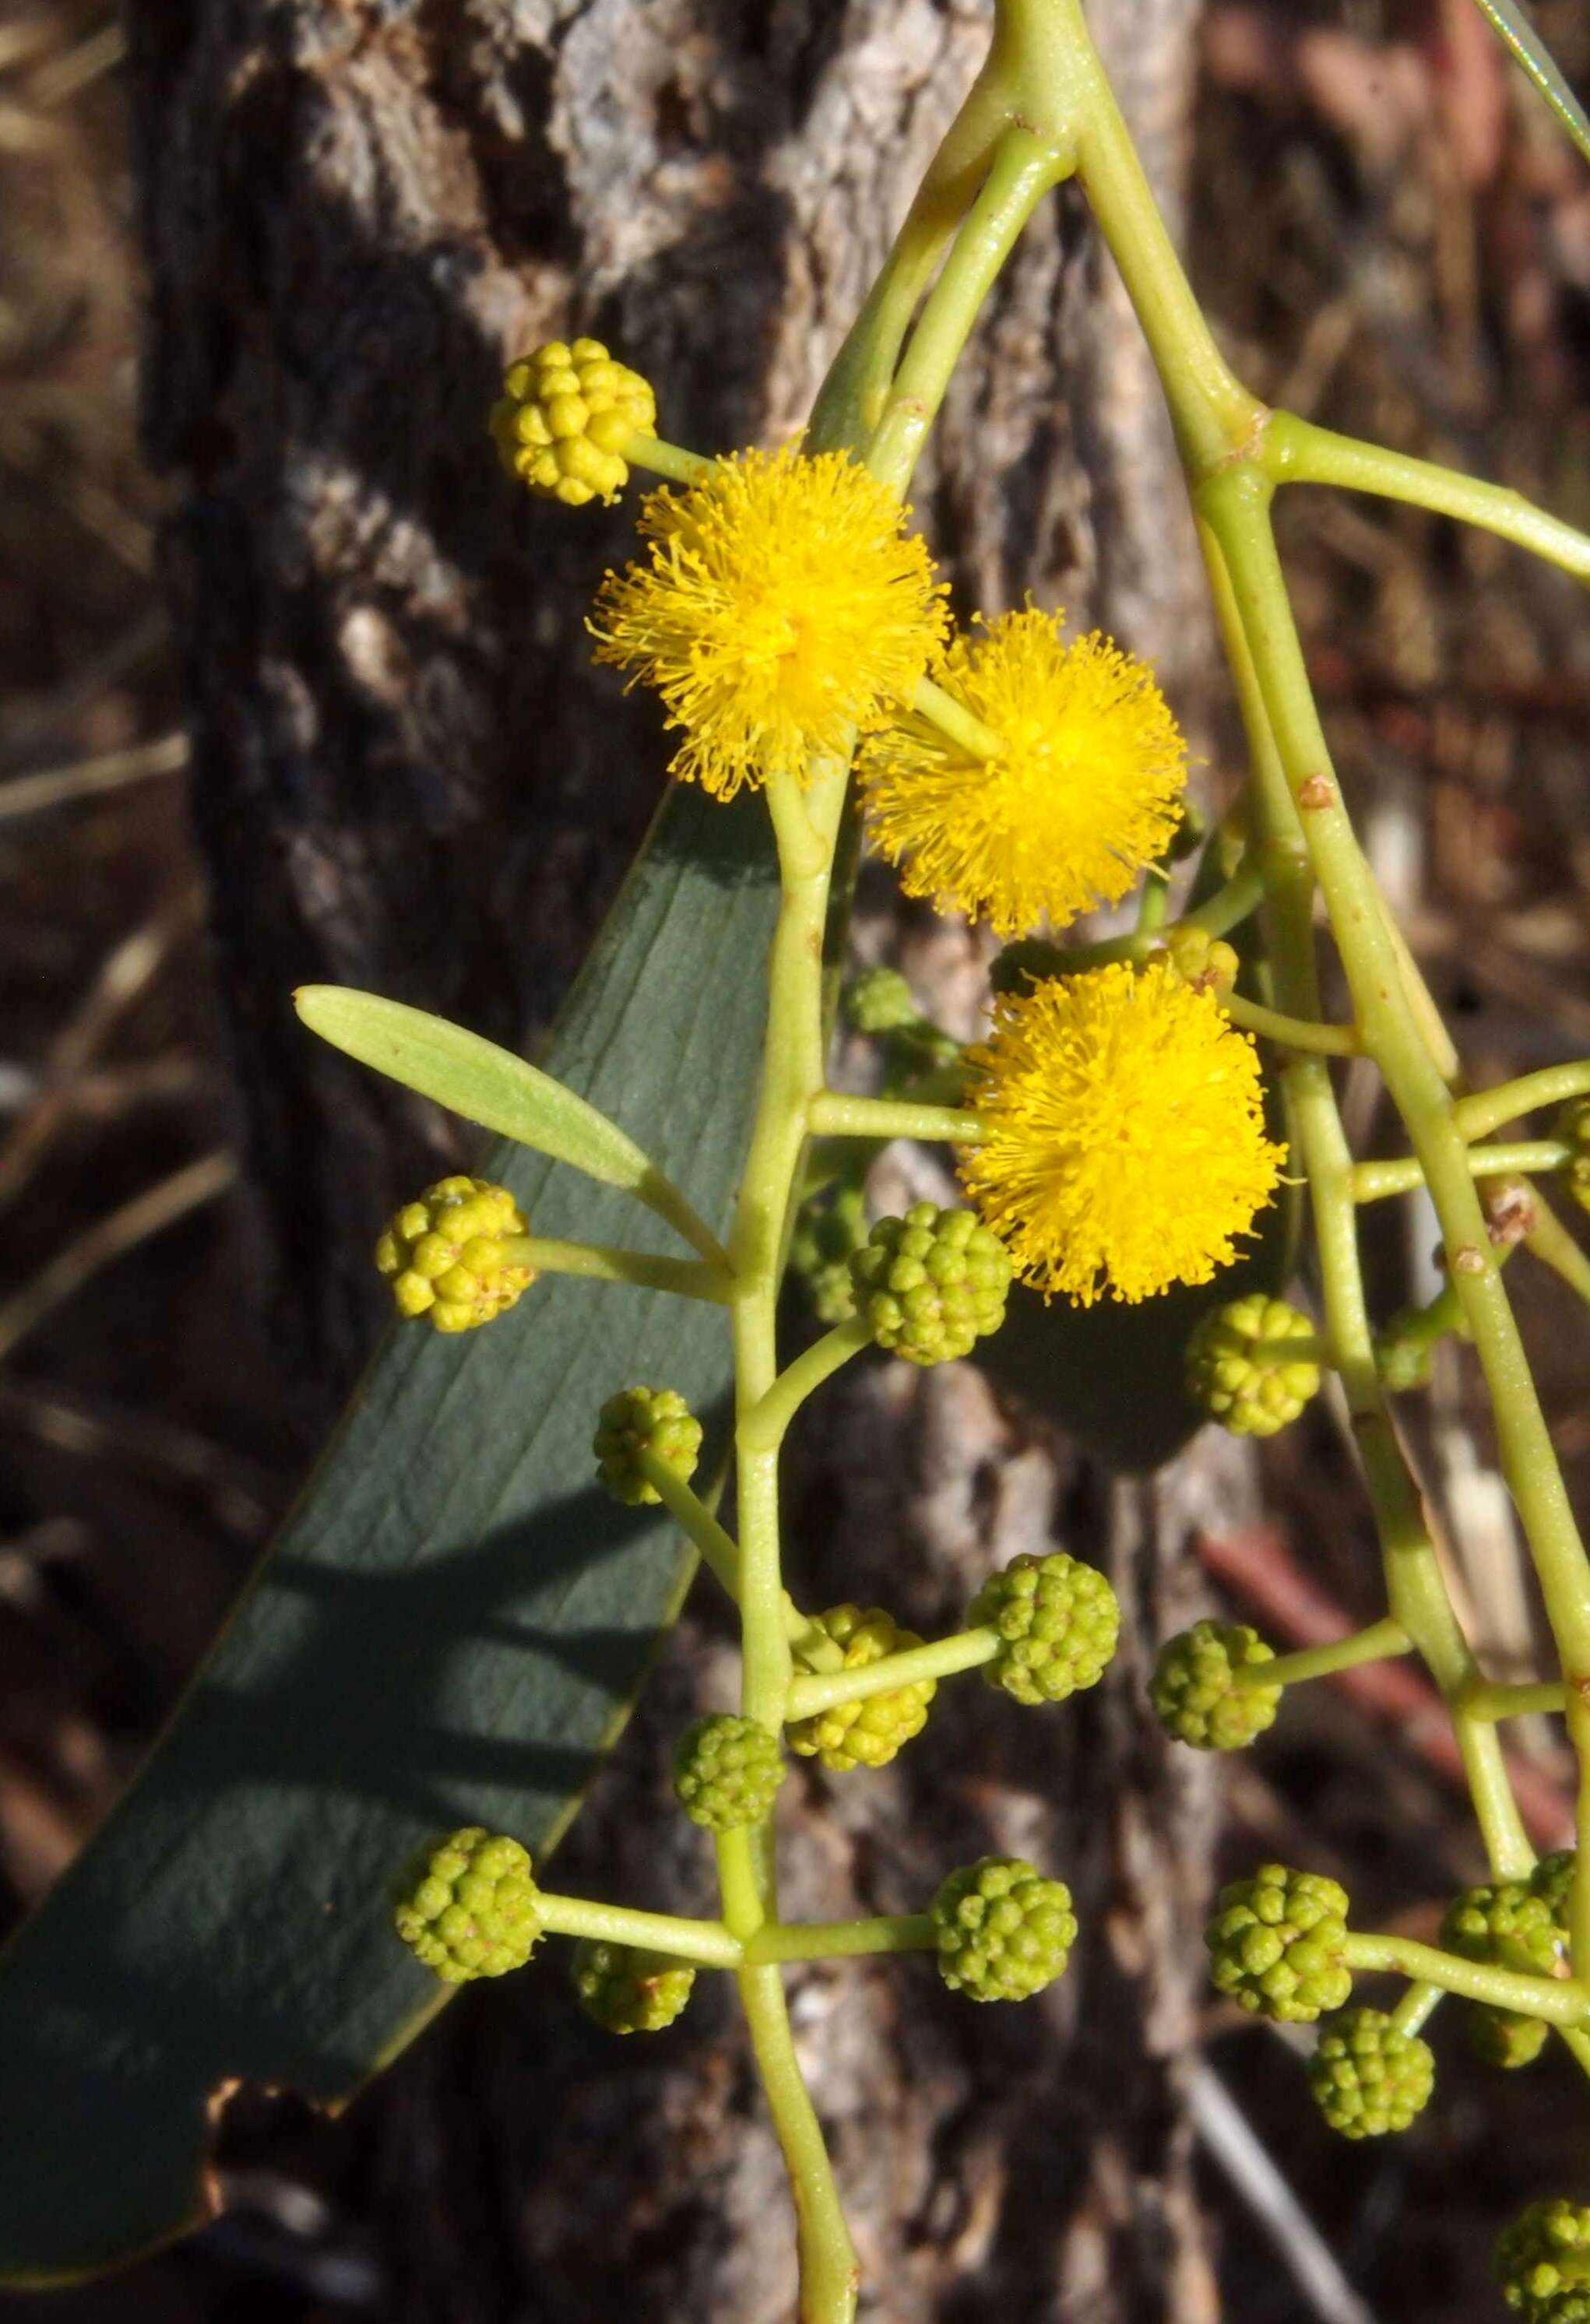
(832, 1114)
(1417, 2007)
(661, 1933)
(762, 1428)
(943, 1658)
(1295, 452)
(1559, 2001)
(1376, 1643)
(719, 1550)
(660, 460)
(692, 1279)
(1487, 1110)
(958, 726)
(1494, 1699)
(794, 1940)
(1293, 1032)
(1023, 168)
(1374, 1181)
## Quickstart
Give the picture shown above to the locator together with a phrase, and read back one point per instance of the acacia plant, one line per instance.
(1136, 1107)
(1114, 1134)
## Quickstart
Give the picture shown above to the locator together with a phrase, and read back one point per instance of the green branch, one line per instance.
(1293, 451)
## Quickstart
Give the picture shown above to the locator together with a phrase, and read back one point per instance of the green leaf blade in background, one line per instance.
(450, 1628)
(1529, 51)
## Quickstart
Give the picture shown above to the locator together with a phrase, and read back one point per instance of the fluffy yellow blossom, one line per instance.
(1128, 1147)
(1082, 792)
(784, 605)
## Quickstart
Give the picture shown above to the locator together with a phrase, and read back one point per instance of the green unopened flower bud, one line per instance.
(1367, 2077)
(826, 1237)
(1208, 963)
(1057, 1621)
(655, 1420)
(1404, 1356)
(930, 1285)
(1002, 1931)
(1542, 2263)
(1573, 1127)
(726, 1771)
(565, 418)
(1208, 1686)
(879, 1000)
(1507, 1923)
(469, 1905)
(628, 1990)
(1551, 1880)
(864, 1734)
(1276, 1944)
(447, 1256)
(1237, 1370)
(1500, 2037)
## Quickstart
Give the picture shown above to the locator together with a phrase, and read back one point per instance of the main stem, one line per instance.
(806, 825)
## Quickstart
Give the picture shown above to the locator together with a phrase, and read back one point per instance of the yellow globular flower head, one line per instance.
(784, 605)
(563, 420)
(1127, 1148)
(1083, 791)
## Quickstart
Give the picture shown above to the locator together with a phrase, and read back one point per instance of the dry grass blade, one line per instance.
(111, 1238)
(1231, 2142)
(56, 786)
(124, 974)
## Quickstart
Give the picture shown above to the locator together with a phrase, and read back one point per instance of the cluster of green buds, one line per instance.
(1543, 2263)
(870, 1731)
(930, 1285)
(1367, 2075)
(1002, 1931)
(565, 418)
(880, 1003)
(639, 1423)
(468, 1907)
(1057, 1620)
(1277, 1944)
(1573, 1128)
(1516, 1924)
(1208, 1688)
(726, 1771)
(1242, 1369)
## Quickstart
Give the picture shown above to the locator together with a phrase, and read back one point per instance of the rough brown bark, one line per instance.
(407, 777)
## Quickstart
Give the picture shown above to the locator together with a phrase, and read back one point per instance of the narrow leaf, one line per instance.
(1529, 50)
(473, 1077)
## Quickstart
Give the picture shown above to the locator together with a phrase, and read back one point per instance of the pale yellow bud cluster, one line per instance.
(565, 417)
(446, 1256)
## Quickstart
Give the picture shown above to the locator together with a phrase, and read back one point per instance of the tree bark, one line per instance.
(408, 776)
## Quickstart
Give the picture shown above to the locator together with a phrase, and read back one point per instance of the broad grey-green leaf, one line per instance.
(1513, 26)
(450, 1628)
(486, 1084)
